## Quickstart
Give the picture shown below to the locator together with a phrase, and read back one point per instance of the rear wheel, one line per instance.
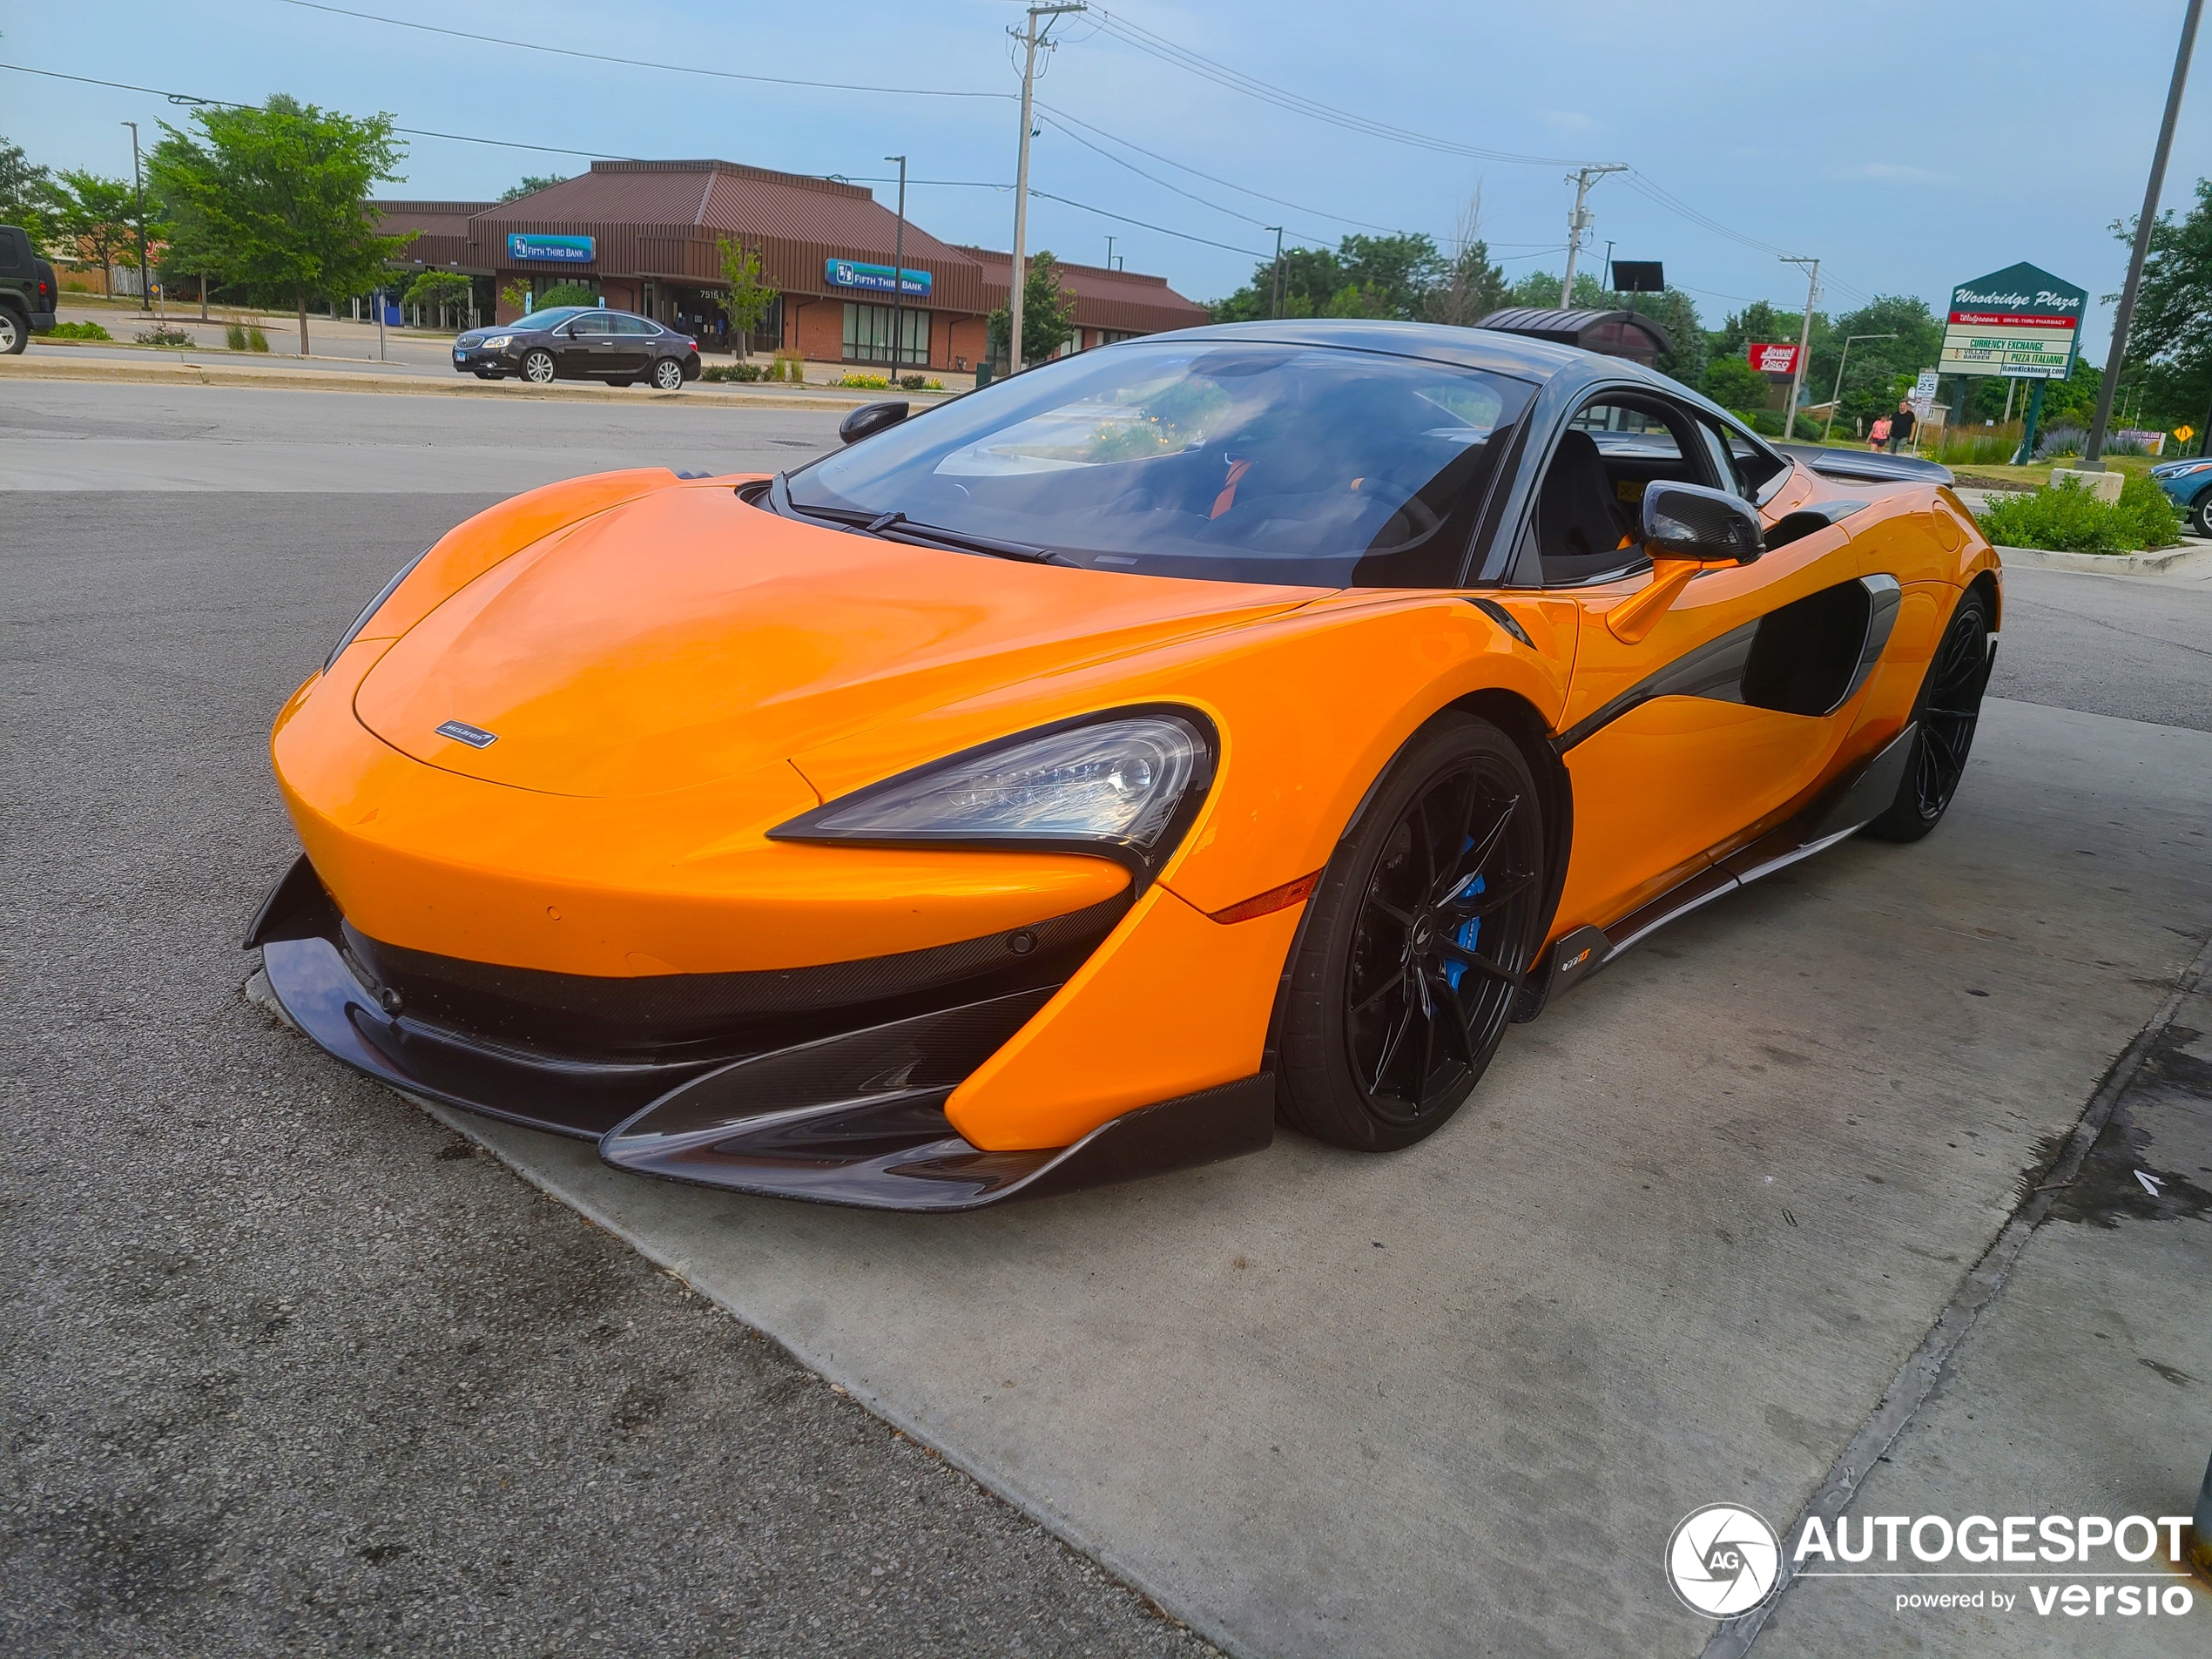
(668, 374)
(1948, 711)
(1425, 922)
(538, 366)
(15, 334)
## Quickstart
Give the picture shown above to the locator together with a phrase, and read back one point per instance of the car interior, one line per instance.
(1588, 508)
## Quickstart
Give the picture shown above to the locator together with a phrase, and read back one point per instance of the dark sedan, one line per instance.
(580, 343)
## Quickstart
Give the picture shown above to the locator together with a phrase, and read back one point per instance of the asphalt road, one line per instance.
(287, 1367)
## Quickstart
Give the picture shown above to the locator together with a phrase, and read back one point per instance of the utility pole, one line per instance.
(1018, 267)
(2093, 450)
(1805, 342)
(1833, 401)
(1275, 277)
(1577, 222)
(1109, 254)
(899, 276)
(139, 186)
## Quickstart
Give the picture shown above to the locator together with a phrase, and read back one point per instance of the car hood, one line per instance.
(686, 637)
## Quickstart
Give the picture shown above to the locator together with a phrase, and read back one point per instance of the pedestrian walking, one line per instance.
(1880, 434)
(1901, 425)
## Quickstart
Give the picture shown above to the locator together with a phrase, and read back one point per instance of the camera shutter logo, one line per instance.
(1722, 1561)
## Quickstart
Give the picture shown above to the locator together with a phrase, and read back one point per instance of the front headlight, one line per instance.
(375, 605)
(1125, 784)
(497, 340)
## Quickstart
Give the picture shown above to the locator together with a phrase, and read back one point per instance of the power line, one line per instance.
(644, 62)
(1155, 178)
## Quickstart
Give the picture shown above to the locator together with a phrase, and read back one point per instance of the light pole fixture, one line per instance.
(138, 191)
(1838, 397)
(899, 275)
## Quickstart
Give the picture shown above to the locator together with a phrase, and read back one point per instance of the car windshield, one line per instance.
(551, 318)
(1238, 462)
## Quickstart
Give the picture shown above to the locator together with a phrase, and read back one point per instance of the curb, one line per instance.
(2173, 562)
(182, 372)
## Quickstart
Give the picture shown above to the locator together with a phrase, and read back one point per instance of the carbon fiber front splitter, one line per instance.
(856, 1118)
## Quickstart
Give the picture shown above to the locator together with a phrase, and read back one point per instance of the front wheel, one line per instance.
(1426, 921)
(668, 374)
(2201, 514)
(538, 368)
(1948, 710)
(15, 334)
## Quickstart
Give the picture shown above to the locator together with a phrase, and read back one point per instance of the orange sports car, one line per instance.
(1077, 778)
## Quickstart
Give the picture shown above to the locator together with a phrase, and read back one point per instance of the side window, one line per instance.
(628, 326)
(1754, 470)
(1589, 506)
(592, 323)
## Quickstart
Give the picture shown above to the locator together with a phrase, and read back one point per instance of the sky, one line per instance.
(1910, 146)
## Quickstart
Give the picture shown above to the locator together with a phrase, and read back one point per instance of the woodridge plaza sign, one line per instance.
(876, 279)
(2021, 323)
(549, 250)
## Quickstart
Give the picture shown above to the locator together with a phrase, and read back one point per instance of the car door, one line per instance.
(590, 349)
(636, 343)
(1680, 740)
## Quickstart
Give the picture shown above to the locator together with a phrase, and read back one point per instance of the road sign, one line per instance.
(2184, 434)
(1922, 395)
(1772, 360)
(2021, 322)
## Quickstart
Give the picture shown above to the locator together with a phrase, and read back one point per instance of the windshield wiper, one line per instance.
(897, 527)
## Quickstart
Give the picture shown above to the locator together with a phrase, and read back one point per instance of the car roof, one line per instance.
(1485, 348)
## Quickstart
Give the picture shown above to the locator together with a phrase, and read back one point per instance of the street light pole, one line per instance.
(1838, 397)
(2093, 450)
(1018, 267)
(1275, 277)
(899, 275)
(1577, 222)
(139, 188)
(1804, 342)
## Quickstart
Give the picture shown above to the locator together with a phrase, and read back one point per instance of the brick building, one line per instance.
(645, 235)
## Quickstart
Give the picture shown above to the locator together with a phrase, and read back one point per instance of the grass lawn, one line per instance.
(1994, 477)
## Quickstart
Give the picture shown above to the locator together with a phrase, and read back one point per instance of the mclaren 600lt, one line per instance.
(1079, 777)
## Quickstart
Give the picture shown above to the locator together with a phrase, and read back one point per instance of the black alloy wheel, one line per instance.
(1423, 928)
(668, 374)
(2201, 514)
(538, 368)
(1949, 710)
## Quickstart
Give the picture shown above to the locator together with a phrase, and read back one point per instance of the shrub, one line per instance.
(2064, 439)
(2066, 518)
(162, 334)
(566, 293)
(78, 330)
(723, 372)
(788, 365)
(862, 382)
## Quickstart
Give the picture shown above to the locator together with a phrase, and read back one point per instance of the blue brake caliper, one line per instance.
(1468, 931)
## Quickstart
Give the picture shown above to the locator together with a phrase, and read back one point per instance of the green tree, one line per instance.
(1875, 364)
(2169, 343)
(1048, 314)
(97, 214)
(27, 199)
(434, 291)
(529, 184)
(282, 191)
(748, 298)
(1733, 384)
(1363, 276)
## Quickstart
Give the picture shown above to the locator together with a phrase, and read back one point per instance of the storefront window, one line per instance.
(867, 336)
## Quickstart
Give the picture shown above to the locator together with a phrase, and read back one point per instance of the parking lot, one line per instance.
(300, 1368)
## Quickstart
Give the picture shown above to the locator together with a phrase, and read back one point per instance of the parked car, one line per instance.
(27, 291)
(580, 343)
(1071, 780)
(2188, 485)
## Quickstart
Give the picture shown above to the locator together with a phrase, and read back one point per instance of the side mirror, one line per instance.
(870, 419)
(1706, 526)
(1686, 528)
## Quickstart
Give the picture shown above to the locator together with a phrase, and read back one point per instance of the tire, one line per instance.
(1946, 713)
(1373, 981)
(2201, 514)
(668, 375)
(15, 333)
(538, 368)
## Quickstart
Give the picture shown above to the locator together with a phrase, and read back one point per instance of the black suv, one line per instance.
(27, 291)
(580, 343)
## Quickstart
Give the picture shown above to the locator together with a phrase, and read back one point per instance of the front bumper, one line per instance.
(852, 1113)
(469, 359)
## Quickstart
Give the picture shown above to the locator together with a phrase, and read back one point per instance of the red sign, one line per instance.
(2006, 319)
(1772, 360)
